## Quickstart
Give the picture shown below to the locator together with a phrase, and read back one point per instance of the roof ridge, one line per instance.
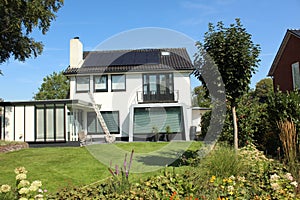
(138, 50)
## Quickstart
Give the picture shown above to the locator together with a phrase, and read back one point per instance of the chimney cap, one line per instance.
(76, 37)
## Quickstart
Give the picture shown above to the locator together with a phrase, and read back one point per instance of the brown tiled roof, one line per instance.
(133, 60)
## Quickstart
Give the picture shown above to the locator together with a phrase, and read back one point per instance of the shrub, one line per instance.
(259, 178)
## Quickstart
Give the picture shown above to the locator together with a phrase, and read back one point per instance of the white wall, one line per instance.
(9, 123)
(122, 100)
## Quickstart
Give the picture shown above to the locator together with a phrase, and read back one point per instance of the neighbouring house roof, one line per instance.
(133, 60)
(287, 36)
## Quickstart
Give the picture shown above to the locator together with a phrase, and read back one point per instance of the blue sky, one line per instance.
(96, 21)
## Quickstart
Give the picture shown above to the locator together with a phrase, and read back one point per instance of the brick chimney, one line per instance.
(76, 52)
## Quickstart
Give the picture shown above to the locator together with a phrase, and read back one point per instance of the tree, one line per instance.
(263, 88)
(236, 57)
(200, 97)
(18, 18)
(55, 86)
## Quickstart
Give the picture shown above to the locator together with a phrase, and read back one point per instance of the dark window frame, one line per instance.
(76, 84)
(169, 85)
(102, 112)
(118, 90)
(106, 84)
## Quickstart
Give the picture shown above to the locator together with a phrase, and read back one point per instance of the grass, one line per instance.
(59, 167)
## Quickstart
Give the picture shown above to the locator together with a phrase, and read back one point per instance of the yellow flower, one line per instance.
(23, 191)
(21, 177)
(5, 188)
(212, 179)
(20, 170)
(36, 183)
(23, 183)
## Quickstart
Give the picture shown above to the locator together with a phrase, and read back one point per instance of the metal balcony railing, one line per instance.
(154, 97)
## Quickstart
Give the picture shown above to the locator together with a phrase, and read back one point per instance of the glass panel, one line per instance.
(152, 84)
(145, 84)
(59, 123)
(146, 118)
(296, 75)
(118, 82)
(82, 83)
(91, 122)
(49, 123)
(40, 124)
(100, 83)
(163, 84)
(111, 119)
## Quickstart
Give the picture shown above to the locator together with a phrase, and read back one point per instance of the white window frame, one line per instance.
(296, 75)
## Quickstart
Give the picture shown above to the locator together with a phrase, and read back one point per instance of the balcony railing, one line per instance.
(154, 97)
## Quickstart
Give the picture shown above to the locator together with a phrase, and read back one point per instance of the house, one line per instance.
(138, 91)
(285, 67)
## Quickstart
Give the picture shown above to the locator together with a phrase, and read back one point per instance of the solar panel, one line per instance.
(122, 58)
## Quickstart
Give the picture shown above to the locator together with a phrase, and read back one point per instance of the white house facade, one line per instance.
(138, 91)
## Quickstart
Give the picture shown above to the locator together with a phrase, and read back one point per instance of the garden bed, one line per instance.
(12, 146)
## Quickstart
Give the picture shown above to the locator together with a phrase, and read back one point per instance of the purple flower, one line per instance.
(117, 170)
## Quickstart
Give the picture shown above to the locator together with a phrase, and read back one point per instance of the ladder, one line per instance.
(108, 137)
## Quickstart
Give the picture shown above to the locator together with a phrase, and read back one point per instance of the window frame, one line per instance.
(98, 123)
(106, 83)
(118, 90)
(296, 75)
(76, 85)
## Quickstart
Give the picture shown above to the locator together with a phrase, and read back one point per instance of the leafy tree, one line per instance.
(236, 57)
(200, 97)
(18, 18)
(55, 86)
(263, 88)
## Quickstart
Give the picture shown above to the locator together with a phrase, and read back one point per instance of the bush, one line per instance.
(258, 177)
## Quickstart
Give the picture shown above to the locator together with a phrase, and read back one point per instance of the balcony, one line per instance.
(154, 97)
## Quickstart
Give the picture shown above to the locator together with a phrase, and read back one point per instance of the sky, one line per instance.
(100, 24)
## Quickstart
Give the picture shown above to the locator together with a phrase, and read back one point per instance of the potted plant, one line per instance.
(155, 133)
(168, 132)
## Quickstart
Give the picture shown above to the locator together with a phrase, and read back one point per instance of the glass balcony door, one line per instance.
(158, 87)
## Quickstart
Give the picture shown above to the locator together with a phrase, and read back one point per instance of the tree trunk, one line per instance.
(235, 128)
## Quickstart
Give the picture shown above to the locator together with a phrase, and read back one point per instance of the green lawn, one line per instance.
(75, 166)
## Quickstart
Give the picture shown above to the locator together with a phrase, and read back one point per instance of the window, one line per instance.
(118, 82)
(100, 83)
(50, 123)
(82, 84)
(111, 119)
(158, 87)
(296, 75)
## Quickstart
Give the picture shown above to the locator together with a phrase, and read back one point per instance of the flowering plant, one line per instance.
(120, 176)
(24, 189)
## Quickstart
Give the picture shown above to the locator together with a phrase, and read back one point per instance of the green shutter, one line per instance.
(159, 117)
